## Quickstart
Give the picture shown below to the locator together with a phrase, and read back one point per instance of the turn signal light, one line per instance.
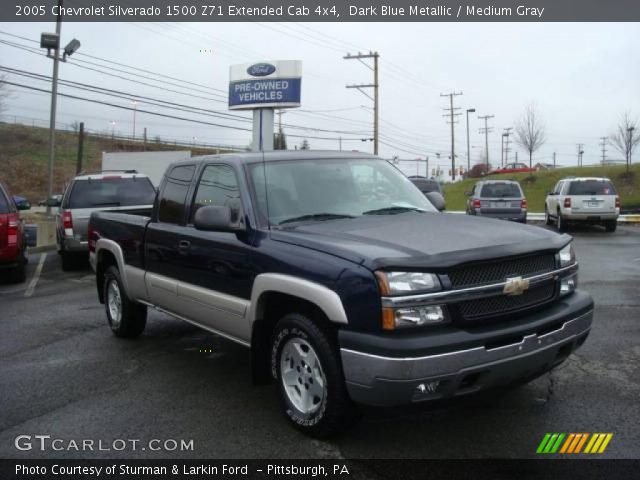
(617, 202)
(476, 203)
(524, 203)
(67, 221)
(567, 202)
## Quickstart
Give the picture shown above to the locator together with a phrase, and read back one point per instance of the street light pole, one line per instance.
(470, 110)
(54, 98)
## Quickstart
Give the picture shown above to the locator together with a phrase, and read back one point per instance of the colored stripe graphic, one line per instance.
(573, 443)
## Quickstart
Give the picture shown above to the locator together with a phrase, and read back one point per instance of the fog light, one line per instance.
(427, 388)
(419, 316)
(568, 285)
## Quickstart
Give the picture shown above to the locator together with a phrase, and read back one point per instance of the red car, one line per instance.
(515, 168)
(13, 242)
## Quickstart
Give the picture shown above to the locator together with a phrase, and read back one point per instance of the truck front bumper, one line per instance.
(377, 373)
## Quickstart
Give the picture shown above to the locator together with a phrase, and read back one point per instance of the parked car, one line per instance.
(52, 201)
(502, 199)
(514, 168)
(343, 280)
(21, 202)
(13, 242)
(88, 193)
(591, 200)
(427, 186)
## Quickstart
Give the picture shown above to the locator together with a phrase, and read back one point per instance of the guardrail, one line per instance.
(539, 217)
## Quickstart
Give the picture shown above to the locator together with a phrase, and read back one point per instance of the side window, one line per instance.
(218, 186)
(174, 194)
(557, 188)
(564, 189)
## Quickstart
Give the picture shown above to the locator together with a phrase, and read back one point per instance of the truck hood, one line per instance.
(420, 240)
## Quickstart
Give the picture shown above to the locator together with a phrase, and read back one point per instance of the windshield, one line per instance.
(111, 192)
(4, 204)
(500, 190)
(326, 189)
(591, 187)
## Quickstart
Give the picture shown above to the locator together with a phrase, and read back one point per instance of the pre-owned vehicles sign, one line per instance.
(274, 84)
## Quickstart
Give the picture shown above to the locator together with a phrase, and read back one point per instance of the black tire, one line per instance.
(547, 217)
(132, 316)
(331, 411)
(611, 225)
(19, 273)
(69, 261)
(561, 223)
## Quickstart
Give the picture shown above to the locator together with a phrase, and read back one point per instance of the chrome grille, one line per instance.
(496, 272)
(504, 304)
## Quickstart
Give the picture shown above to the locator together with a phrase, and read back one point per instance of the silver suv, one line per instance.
(589, 200)
(501, 199)
(87, 193)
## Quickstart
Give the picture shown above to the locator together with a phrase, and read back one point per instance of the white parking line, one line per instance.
(36, 276)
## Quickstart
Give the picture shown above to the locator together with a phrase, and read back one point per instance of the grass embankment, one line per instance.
(537, 185)
(24, 155)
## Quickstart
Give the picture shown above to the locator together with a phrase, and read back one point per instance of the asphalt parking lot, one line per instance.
(62, 373)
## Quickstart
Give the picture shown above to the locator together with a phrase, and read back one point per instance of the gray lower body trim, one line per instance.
(197, 324)
(379, 380)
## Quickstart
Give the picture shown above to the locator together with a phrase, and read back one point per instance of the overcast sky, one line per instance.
(581, 78)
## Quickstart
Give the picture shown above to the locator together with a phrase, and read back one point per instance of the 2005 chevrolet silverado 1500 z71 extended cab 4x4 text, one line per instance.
(345, 282)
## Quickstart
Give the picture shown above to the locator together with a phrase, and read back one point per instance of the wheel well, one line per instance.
(272, 306)
(105, 260)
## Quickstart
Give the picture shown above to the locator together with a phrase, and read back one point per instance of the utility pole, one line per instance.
(470, 110)
(374, 85)
(135, 109)
(580, 152)
(427, 166)
(486, 131)
(452, 114)
(80, 148)
(603, 144)
(507, 134)
(145, 138)
(554, 159)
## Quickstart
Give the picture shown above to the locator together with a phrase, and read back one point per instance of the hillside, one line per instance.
(537, 185)
(24, 156)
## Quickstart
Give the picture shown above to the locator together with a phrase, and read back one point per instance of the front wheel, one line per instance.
(308, 373)
(127, 319)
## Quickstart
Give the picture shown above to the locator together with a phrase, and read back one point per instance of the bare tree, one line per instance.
(627, 137)
(4, 93)
(530, 132)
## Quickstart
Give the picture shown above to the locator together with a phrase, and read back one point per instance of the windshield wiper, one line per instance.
(392, 210)
(316, 216)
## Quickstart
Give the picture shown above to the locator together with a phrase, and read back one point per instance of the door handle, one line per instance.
(184, 246)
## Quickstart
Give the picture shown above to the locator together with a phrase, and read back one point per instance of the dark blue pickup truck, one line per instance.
(345, 282)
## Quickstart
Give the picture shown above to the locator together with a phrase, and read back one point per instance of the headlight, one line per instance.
(567, 255)
(420, 316)
(394, 283)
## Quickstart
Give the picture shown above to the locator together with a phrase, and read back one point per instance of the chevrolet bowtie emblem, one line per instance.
(515, 286)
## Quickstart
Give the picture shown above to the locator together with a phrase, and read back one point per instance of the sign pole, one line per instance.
(263, 119)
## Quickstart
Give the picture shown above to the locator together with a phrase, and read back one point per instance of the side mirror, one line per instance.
(437, 200)
(216, 218)
(551, 193)
(23, 205)
(468, 194)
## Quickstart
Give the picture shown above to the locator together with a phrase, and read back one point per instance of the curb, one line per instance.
(42, 248)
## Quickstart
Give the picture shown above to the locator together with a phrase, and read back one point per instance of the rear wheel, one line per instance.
(69, 261)
(561, 223)
(19, 273)
(547, 217)
(611, 225)
(127, 319)
(310, 383)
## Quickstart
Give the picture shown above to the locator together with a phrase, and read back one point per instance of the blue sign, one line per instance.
(265, 92)
(261, 69)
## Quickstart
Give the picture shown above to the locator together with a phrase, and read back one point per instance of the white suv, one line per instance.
(584, 199)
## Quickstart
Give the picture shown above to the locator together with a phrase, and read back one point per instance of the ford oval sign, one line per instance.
(261, 69)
